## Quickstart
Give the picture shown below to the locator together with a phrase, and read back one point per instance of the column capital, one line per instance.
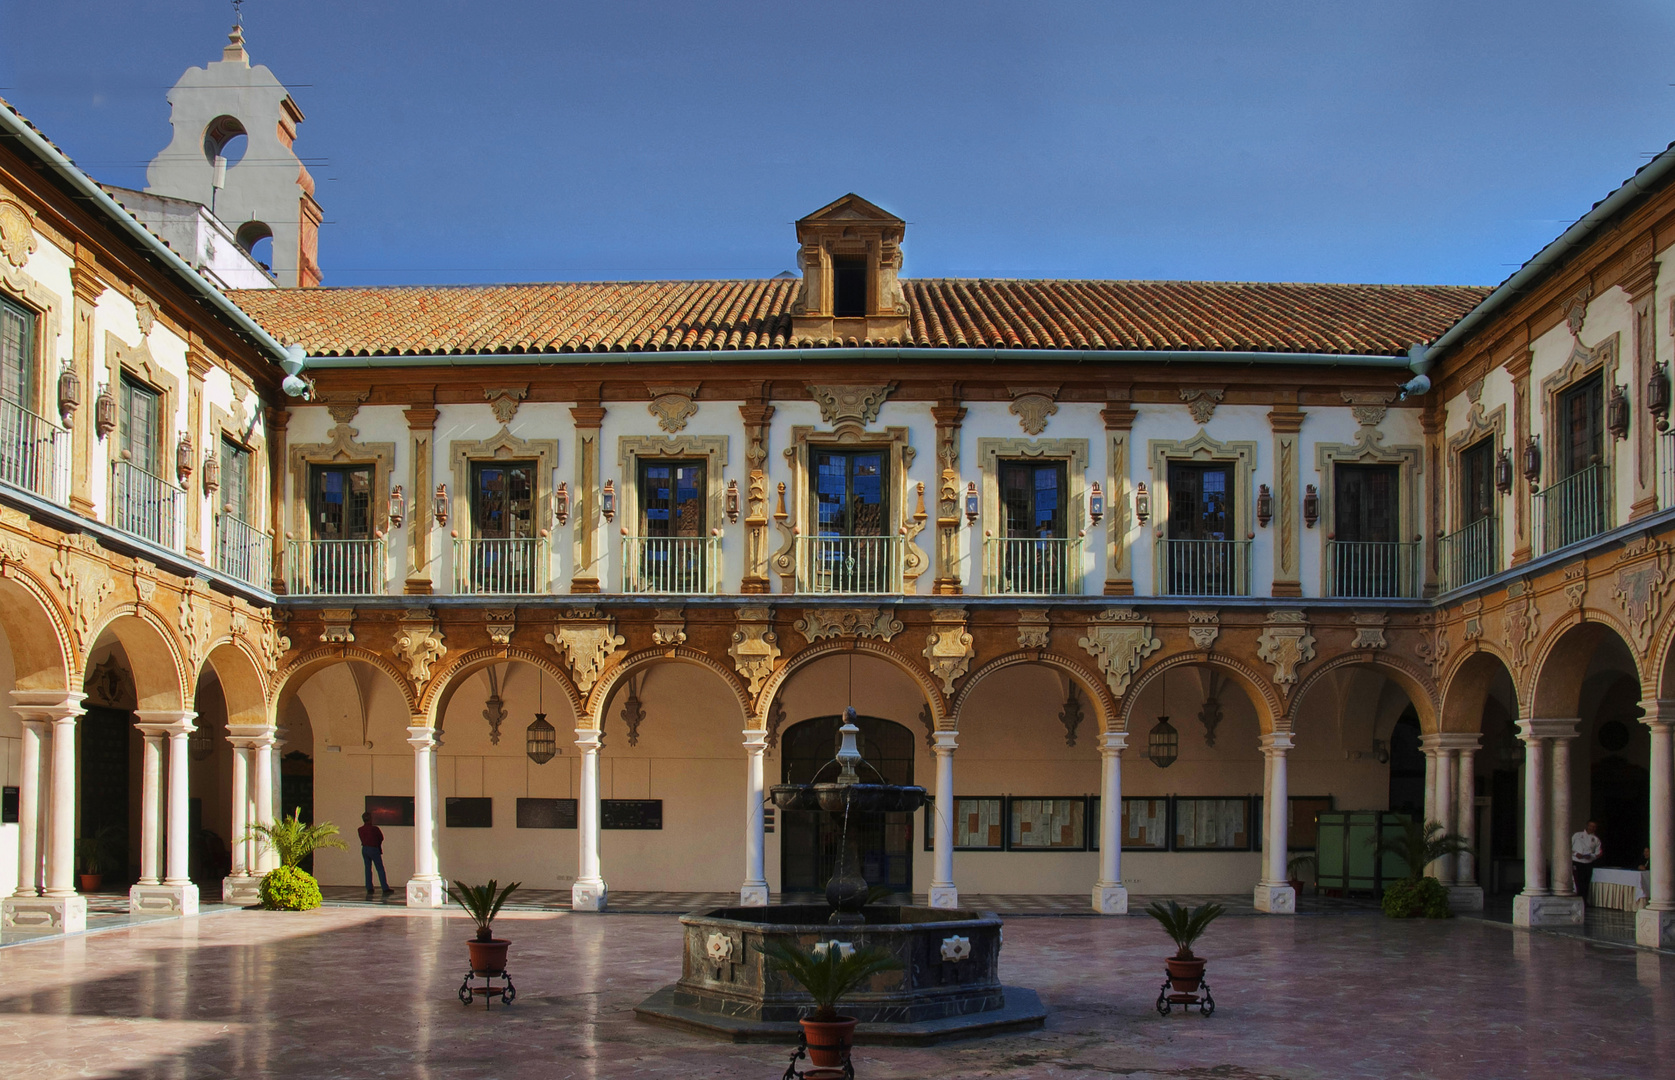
(1548, 729)
(1277, 742)
(944, 742)
(1450, 740)
(1113, 742)
(250, 736)
(165, 721)
(588, 740)
(755, 740)
(47, 705)
(1658, 711)
(423, 738)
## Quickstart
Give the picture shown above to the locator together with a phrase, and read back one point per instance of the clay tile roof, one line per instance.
(664, 316)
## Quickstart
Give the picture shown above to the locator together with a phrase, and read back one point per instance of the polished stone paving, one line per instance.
(369, 992)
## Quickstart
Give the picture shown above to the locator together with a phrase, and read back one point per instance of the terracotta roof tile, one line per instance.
(661, 316)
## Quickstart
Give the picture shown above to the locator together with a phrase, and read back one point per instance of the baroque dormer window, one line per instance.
(850, 254)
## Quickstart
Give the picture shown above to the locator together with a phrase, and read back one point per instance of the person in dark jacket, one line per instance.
(372, 853)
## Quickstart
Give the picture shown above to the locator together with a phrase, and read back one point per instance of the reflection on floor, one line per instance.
(1600, 924)
(105, 911)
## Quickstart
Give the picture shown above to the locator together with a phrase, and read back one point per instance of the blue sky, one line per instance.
(552, 140)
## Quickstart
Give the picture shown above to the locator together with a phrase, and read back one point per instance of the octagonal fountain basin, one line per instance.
(947, 988)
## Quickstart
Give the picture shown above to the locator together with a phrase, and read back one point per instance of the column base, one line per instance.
(245, 889)
(427, 892)
(753, 896)
(53, 914)
(1654, 929)
(945, 896)
(1110, 900)
(1546, 910)
(1465, 898)
(163, 900)
(1276, 899)
(588, 896)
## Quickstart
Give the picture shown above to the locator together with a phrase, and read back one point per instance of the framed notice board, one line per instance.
(546, 813)
(631, 813)
(390, 809)
(473, 813)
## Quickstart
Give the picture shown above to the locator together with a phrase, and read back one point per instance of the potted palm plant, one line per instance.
(1418, 846)
(105, 853)
(1184, 927)
(1295, 868)
(827, 976)
(288, 887)
(483, 903)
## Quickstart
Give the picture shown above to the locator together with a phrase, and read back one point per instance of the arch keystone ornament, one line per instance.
(1284, 644)
(1204, 627)
(418, 641)
(1119, 639)
(850, 406)
(876, 622)
(1638, 587)
(1033, 405)
(755, 646)
(586, 645)
(948, 648)
(1369, 630)
(672, 405)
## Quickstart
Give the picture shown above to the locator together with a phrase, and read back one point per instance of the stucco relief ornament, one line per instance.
(1638, 587)
(500, 625)
(755, 646)
(1576, 585)
(948, 650)
(1034, 632)
(852, 405)
(419, 642)
(876, 622)
(672, 405)
(718, 948)
(1369, 630)
(586, 648)
(86, 583)
(13, 552)
(504, 400)
(1118, 639)
(194, 626)
(1032, 405)
(668, 627)
(17, 233)
(1522, 625)
(271, 643)
(1203, 627)
(337, 626)
(145, 314)
(1201, 403)
(1433, 647)
(956, 948)
(1285, 643)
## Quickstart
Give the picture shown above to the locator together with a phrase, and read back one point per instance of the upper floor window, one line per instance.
(849, 286)
(141, 425)
(1366, 552)
(1032, 555)
(340, 502)
(1203, 553)
(1581, 412)
(850, 492)
(1032, 499)
(1477, 482)
(672, 498)
(17, 354)
(503, 500)
(235, 480)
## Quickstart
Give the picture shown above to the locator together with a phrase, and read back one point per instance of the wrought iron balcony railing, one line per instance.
(497, 566)
(335, 567)
(1032, 566)
(34, 453)
(1573, 509)
(243, 551)
(145, 505)
(671, 564)
(849, 564)
(1378, 571)
(1204, 567)
(1469, 554)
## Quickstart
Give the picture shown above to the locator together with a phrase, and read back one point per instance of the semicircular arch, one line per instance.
(1466, 688)
(244, 684)
(450, 679)
(293, 674)
(1263, 698)
(1556, 675)
(43, 655)
(601, 694)
(933, 696)
(1410, 677)
(1090, 682)
(161, 678)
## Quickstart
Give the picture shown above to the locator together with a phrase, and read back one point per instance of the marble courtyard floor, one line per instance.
(369, 992)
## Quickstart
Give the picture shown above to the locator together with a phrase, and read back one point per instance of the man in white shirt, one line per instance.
(1584, 852)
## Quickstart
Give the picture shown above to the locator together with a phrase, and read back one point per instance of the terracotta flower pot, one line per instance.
(1185, 975)
(1296, 885)
(829, 1040)
(91, 882)
(488, 957)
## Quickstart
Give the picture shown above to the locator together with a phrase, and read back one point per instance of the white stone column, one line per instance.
(754, 891)
(266, 857)
(425, 888)
(29, 808)
(944, 893)
(1562, 882)
(243, 884)
(239, 799)
(59, 907)
(1465, 894)
(174, 894)
(1654, 925)
(589, 892)
(1429, 750)
(1109, 895)
(1443, 808)
(1537, 905)
(276, 789)
(1274, 893)
(151, 803)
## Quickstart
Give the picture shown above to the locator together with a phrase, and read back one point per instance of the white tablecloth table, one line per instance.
(1624, 890)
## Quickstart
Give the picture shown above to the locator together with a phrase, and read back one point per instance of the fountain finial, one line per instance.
(848, 756)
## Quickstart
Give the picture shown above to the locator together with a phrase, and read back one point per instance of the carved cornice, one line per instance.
(855, 622)
(850, 405)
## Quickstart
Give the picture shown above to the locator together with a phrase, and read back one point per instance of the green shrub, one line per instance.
(1413, 898)
(286, 888)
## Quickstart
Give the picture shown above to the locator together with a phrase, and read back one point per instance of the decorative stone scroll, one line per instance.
(856, 622)
(1638, 587)
(669, 627)
(586, 645)
(1032, 405)
(850, 406)
(672, 405)
(1201, 403)
(1118, 639)
(86, 582)
(500, 625)
(17, 232)
(1521, 623)
(1034, 631)
(755, 647)
(1284, 644)
(948, 650)
(1369, 630)
(419, 642)
(1204, 627)
(337, 626)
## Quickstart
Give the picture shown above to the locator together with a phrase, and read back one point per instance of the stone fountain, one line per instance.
(947, 988)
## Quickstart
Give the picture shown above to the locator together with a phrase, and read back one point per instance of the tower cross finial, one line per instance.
(238, 12)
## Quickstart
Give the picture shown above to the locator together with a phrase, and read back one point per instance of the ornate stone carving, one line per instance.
(669, 627)
(1368, 408)
(494, 711)
(856, 622)
(719, 948)
(948, 650)
(1369, 630)
(343, 405)
(1032, 405)
(419, 642)
(672, 405)
(1576, 585)
(1071, 715)
(1521, 623)
(194, 624)
(271, 643)
(86, 582)
(337, 626)
(586, 646)
(17, 232)
(1433, 647)
(504, 400)
(755, 647)
(955, 949)
(855, 406)
(1576, 309)
(107, 685)
(145, 313)
(1034, 631)
(13, 551)
(500, 625)
(1201, 403)
(1638, 587)
(1203, 627)
(1118, 639)
(1284, 644)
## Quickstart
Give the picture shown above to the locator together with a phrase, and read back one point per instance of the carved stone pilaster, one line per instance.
(1284, 645)
(756, 418)
(1286, 420)
(948, 419)
(421, 427)
(755, 649)
(585, 515)
(585, 645)
(1119, 415)
(948, 650)
(1118, 639)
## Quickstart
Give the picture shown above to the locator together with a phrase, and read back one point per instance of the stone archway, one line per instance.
(811, 842)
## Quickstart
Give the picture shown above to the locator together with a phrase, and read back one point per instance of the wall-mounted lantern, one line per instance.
(1503, 472)
(1617, 411)
(1096, 503)
(1532, 462)
(69, 393)
(104, 412)
(439, 504)
(1657, 396)
(607, 500)
(1311, 506)
(561, 504)
(185, 458)
(1142, 503)
(971, 502)
(731, 501)
(398, 506)
(212, 473)
(1264, 505)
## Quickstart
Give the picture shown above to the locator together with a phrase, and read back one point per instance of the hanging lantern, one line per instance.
(69, 393)
(185, 457)
(212, 473)
(1532, 462)
(104, 412)
(607, 500)
(1617, 412)
(1503, 472)
(541, 742)
(398, 506)
(731, 501)
(1163, 744)
(200, 744)
(1096, 503)
(1264, 505)
(971, 503)
(561, 504)
(1142, 503)
(1311, 506)
(439, 504)
(1657, 396)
